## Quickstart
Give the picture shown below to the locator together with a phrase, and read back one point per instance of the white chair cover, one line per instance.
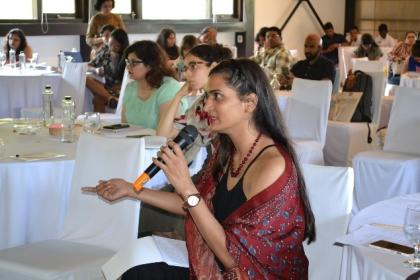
(109, 118)
(93, 229)
(376, 70)
(345, 55)
(73, 84)
(403, 133)
(306, 116)
(330, 191)
(345, 140)
(395, 170)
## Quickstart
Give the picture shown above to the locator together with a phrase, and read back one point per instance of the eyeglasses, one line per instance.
(133, 63)
(192, 66)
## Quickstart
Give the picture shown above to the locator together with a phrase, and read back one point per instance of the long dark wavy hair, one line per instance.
(172, 52)
(246, 77)
(153, 56)
(23, 42)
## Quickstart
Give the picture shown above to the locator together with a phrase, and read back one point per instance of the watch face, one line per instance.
(193, 200)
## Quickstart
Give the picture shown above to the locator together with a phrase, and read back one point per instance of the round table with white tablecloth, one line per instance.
(34, 188)
(380, 221)
(23, 89)
(33, 194)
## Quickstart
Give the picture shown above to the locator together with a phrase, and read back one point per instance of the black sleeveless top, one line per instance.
(225, 201)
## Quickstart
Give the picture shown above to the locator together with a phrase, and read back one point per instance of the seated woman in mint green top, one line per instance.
(154, 86)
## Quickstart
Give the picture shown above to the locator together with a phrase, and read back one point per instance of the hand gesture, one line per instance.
(112, 189)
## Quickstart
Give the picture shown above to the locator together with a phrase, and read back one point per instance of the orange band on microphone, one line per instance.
(141, 180)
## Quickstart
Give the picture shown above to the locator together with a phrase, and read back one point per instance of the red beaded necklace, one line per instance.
(235, 173)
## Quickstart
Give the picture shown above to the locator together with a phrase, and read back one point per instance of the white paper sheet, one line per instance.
(150, 249)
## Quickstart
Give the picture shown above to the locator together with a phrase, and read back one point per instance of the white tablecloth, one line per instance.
(410, 80)
(34, 195)
(24, 89)
(384, 220)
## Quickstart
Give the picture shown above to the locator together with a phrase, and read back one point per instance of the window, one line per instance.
(122, 7)
(181, 9)
(222, 7)
(29, 10)
(21, 9)
(65, 7)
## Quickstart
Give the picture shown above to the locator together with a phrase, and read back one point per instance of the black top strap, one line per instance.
(253, 160)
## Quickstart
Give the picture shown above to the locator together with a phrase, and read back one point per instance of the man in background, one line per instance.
(384, 40)
(208, 35)
(314, 67)
(274, 59)
(331, 41)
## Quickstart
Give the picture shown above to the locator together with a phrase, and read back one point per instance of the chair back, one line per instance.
(344, 61)
(125, 81)
(376, 70)
(403, 133)
(74, 83)
(330, 192)
(307, 110)
(91, 220)
(365, 65)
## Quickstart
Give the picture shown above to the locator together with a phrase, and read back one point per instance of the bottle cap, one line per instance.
(67, 97)
(47, 86)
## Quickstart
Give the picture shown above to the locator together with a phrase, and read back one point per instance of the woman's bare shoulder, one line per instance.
(268, 167)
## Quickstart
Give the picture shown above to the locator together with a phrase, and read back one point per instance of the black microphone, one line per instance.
(184, 139)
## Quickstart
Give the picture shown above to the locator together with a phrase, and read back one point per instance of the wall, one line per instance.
(275, 12)
(48, 47)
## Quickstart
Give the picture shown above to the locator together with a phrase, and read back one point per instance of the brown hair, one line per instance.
(153, 56)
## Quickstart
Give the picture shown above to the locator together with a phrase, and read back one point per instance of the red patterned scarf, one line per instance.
(264, 235)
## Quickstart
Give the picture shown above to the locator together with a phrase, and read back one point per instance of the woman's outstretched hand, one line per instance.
(112, 189)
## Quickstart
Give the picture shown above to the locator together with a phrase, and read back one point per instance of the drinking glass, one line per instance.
(412, 233)
(2, 149)
(3, 59)
(92, 122)
(33, 61)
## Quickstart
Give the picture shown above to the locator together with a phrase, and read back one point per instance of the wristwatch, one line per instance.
(192, 200)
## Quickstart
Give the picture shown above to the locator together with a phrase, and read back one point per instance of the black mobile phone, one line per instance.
(393, 246)
(116, 126)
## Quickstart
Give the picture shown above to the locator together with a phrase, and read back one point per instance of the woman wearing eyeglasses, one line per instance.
(198, 63)
(110, 64)
(154, 86)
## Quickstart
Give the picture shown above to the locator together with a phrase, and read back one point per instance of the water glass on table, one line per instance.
(92, 122)
(3, 59)
(2, 149)
(412, 233)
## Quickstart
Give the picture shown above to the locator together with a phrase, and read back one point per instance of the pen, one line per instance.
(137, 136)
